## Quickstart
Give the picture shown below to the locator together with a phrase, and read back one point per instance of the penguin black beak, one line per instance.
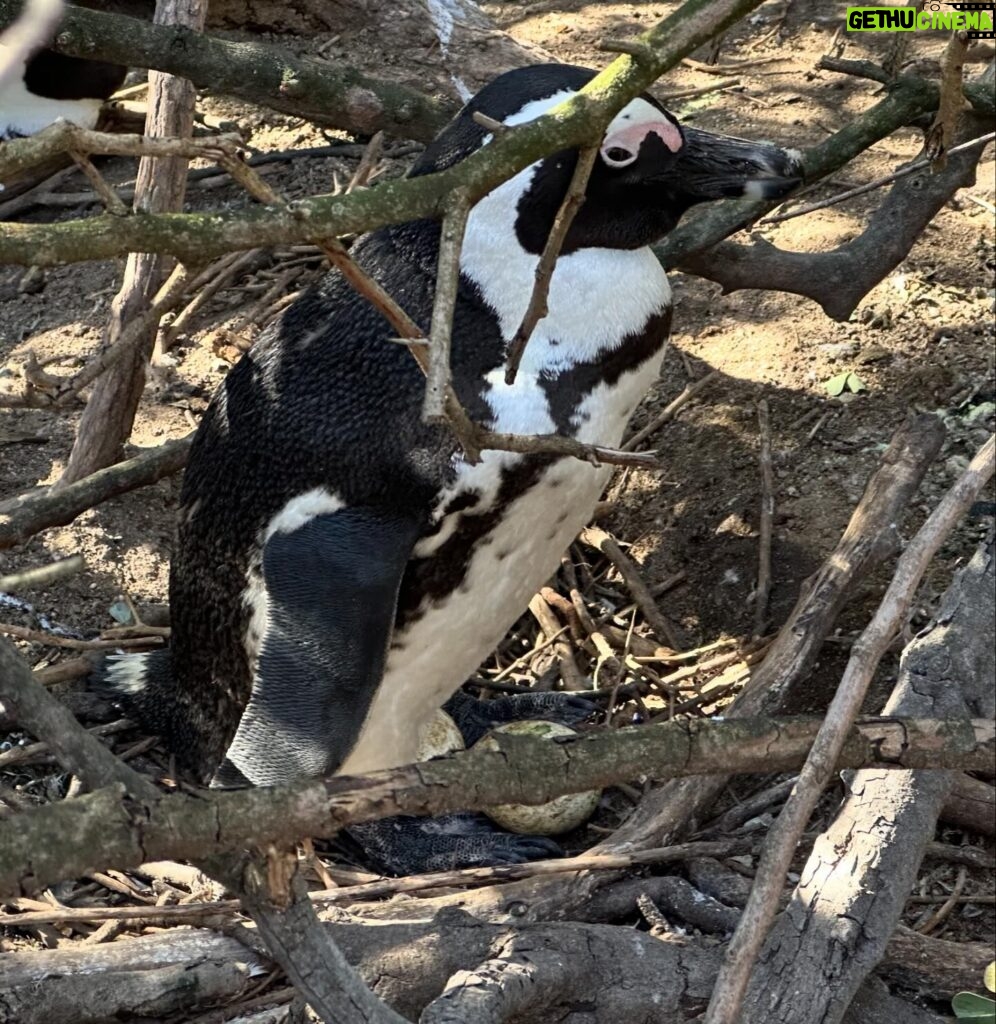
(710, 166)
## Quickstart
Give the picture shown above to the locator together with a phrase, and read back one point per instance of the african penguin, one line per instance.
(340, 570)
(49, 85)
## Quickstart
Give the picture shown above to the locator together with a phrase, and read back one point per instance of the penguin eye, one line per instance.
(618, 156)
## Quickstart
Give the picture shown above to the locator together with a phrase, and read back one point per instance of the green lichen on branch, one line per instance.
(67, 839)
(579, 120)
(328, 94)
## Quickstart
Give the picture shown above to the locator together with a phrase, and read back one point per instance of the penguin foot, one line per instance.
(409, 846)
(475, 717)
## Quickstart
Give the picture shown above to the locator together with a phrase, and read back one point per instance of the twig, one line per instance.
(35, 752)
(943, 912)
(556, 444)
(570, 674)
(208, 283)
(371, 154)
(108, 196)
(917, 165)
(763, 589)
(724, 1007)
(858, 68)
(64, 137)
(597, 538)
(951, 103)
(725, 69)
(64, 671)
(670, 410)
(134, 333)
(37, 636)
(702, 90)
(345, 895)
(640, 52)
(438, 383)
(537, 308)
(24, 516)
(43, 575)
(495, 127)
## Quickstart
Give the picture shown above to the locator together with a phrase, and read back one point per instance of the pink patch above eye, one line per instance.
(632, 136)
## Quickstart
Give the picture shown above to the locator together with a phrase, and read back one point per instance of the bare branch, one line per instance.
(438, 383)
(724, 1008)
(100, 830)
(44, 575)
(24, 516)
(886, 179)
(763, 588)
(537, 308)
(270, 75)
(199, 236)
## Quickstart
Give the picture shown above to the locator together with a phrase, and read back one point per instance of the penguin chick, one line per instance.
(340, 569)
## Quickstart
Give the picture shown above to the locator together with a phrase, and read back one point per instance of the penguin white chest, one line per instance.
(518, 549)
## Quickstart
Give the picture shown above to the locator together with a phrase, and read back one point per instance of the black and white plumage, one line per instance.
(340, 569)
(47, 85)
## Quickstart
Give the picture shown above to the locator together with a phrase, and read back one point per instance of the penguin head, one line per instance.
(648, 172)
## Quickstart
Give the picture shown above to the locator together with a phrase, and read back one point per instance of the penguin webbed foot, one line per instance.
(410, 846)
(475, 717)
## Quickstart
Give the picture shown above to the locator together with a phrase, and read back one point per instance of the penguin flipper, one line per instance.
(331, 588)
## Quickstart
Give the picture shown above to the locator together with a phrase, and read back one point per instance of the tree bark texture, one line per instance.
(627, 975)
(103, 829)
(853, 890)
(107, 420)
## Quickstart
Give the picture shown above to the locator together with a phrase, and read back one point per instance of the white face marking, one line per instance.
(630, 127)
(23, 113)
(597, 296)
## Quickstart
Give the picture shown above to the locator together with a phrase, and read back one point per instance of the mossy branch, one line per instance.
(327, 94)
(575, 122)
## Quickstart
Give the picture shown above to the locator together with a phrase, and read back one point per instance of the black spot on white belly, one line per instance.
(431, 579)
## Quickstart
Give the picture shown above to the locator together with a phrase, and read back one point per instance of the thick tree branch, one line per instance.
(201, 236)
(629, 975)
(340, 97)
(838, 280)
(101, 829)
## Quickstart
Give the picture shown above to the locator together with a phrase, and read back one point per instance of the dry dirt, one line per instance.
(922, 340)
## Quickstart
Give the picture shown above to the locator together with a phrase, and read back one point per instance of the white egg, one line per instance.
(561, 814)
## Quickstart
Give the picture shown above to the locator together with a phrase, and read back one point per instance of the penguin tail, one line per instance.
(144, 688)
